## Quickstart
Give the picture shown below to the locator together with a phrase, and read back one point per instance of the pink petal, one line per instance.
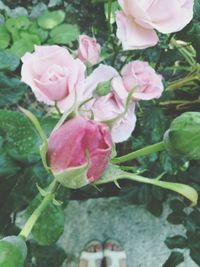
(132, 35)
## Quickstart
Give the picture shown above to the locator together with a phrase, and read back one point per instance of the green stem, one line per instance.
(109, 15)
(57, 108)
(39, 210)
(183, 51)
(183, 189)
(141, 152)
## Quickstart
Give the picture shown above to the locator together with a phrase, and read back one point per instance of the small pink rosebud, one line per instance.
(68, 147)
(89, 49)
(141, 77)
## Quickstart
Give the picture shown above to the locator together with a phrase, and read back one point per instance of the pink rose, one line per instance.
(67, 147)
(111, 107)
(89, 49)
(53, 75)
(141, 76)
(138, 19)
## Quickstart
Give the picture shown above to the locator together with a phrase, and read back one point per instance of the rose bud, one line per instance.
(89, 50)
(183, 136)
(141, 77)
(75, 145)
(53, 75)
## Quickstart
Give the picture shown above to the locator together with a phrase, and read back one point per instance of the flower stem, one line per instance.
(38, 211)
(141, 152)
(109, 16)
(183, 189)
(57, 108)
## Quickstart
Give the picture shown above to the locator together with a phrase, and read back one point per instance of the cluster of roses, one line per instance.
(103, 102)
(57, 78)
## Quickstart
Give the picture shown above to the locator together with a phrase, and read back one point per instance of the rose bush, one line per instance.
(69, 144)
(96, 107)
(53, 75)
(138, 20)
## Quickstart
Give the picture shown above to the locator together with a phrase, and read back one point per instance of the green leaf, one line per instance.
(195, 255)
(174, 259)
(39, 253)
(176, 217)
(22, 140)
(34, 29)
(25, 44)
(4, 37)
(13, 252)
(31, 38)
(50, 224)
(176, 205)
(11, 91)
(7, 165)
(8, 61)
(17, 23)
(155, 207)
(114, 173)
(64, 34)
(50, 19)
(176, 241)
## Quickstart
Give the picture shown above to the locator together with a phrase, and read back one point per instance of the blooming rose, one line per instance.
(53, 75)
(138, 19)
(89, 49)
(142, 77)
(68, 145)
(110, 107)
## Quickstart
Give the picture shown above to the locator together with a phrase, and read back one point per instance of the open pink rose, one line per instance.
(111, 107)
(53, 75)
(141, 77)
(67, 147)
(89, 49)
(138, 19)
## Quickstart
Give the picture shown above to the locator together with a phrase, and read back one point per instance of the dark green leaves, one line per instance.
(174, 259)
(8, 61)
(176, 241)
(50, 224)
(4, 37)
(11, 90)
(22, 140)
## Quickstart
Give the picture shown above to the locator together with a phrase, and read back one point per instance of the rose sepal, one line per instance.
(73, 177)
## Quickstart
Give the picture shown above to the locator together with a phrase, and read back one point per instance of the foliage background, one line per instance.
(20, 165)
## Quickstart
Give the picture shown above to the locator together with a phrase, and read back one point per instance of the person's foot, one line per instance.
(92, 256)
(114, 254)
